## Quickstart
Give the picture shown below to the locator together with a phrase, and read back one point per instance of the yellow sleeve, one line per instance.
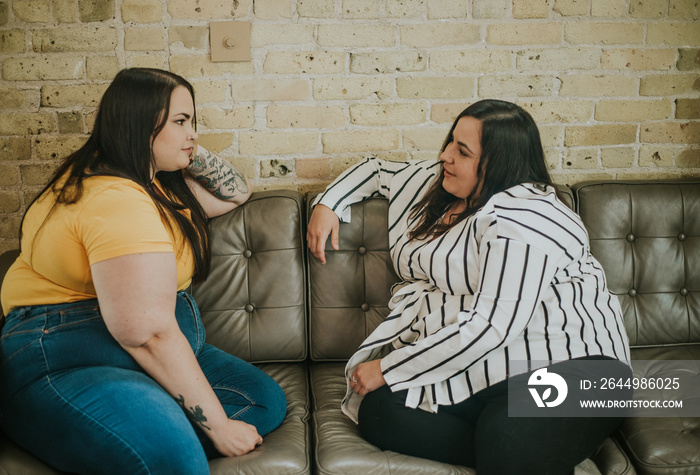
(121, 220)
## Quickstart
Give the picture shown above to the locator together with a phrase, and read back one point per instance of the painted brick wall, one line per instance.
(613, 84)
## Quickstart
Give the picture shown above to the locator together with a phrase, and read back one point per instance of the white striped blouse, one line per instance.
(514, 282)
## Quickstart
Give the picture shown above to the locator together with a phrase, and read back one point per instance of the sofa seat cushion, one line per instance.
(15, 460)
(339, 447)
(663, 445)
(608, 459)
(666, 445)
(285, 450)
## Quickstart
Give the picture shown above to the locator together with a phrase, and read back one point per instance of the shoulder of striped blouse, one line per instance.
(418, 168)
(526, 207)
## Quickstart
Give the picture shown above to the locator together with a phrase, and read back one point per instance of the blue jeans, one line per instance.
(73, 397)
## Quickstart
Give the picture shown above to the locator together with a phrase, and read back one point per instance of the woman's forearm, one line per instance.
(168, 358)
(219, 177)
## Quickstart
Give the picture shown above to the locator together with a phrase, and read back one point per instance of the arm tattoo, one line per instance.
(218, 176)
(195, 413)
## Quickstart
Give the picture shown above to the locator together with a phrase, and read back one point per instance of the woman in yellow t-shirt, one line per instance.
(104, 365)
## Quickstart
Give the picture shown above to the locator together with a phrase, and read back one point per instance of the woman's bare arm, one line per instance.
(137, 295)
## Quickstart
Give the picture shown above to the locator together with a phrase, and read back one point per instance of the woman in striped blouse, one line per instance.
(498, 281)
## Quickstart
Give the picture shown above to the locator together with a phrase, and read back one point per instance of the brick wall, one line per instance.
(613, 84)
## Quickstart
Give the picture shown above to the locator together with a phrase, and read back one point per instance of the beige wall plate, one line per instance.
(230, 40)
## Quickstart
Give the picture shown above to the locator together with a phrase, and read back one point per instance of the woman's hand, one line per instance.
(367, 377)
(235, 438)
(322, 223)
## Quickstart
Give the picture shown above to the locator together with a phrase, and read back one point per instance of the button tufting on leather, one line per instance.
(630, 237)
(247, 253)
(632, 292)
(249, 308)
(364, 307)
(684, 291)
(682, 236)
(362, 250)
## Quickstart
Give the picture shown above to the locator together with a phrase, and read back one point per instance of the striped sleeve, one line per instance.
(514, 276)
(371, 177)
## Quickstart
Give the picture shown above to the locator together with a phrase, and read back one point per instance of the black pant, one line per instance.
(478, 432)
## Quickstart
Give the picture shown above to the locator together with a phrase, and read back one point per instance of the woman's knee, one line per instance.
(246, 392)
(386, 422)
(276, 402)
(269, 405)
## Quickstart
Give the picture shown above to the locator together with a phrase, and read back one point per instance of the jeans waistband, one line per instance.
(35, 310)
(63, 310)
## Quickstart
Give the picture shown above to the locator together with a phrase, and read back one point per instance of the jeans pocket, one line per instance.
(14, 345)
(20, 333)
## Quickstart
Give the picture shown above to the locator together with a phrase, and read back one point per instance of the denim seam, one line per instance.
(190, 301)
(8, 331)
(61, 326)
(96, 422)
(9, 358)
(240, 393)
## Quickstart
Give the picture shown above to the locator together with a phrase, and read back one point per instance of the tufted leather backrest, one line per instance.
(253, 302)
(348, 295)
(647, 238)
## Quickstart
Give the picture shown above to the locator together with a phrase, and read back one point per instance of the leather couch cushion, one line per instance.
(609, 459)
(647, 238)
(663, 445)
(348, 296)
(253, 302)
(15, 460)
(285, 451)
(339, 447)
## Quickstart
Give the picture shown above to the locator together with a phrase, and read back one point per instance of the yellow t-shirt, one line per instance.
(114, 217)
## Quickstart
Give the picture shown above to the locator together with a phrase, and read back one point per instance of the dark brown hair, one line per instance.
(511, 153)
(132, 112)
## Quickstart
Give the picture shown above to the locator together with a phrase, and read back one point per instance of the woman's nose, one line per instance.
(445, 155)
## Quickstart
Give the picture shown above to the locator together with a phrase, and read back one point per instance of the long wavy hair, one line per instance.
(511, 153)
(133, 110)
